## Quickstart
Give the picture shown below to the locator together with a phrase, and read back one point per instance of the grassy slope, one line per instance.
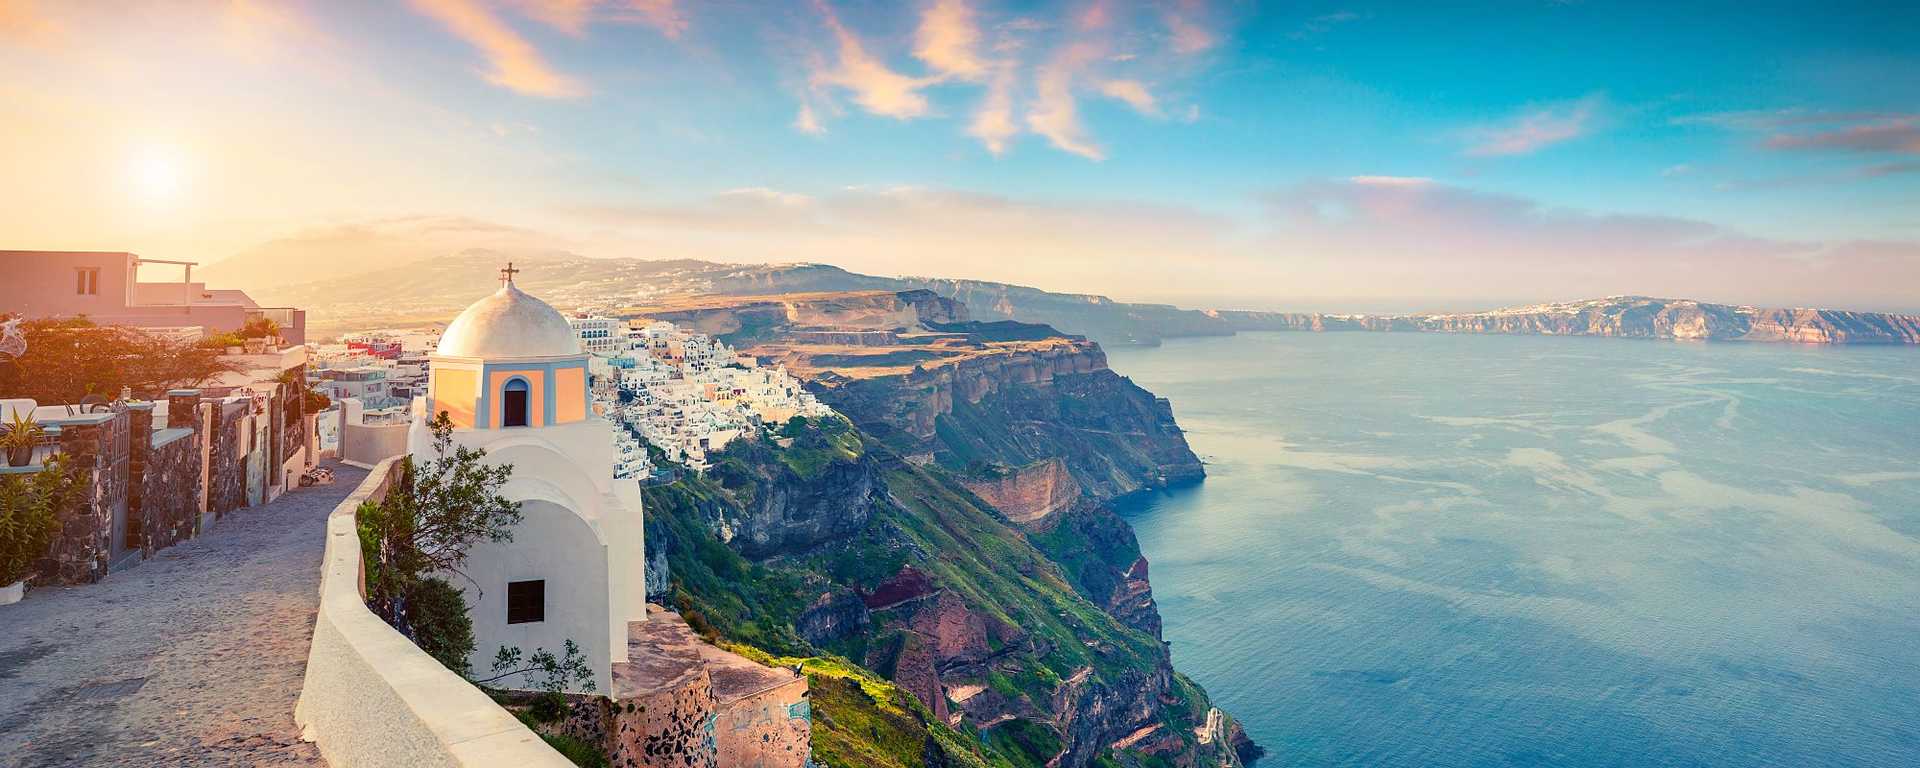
(933, 523)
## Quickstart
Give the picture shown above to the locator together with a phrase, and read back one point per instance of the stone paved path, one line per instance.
(192, 658)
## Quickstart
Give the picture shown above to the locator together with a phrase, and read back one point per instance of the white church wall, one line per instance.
(553, 545)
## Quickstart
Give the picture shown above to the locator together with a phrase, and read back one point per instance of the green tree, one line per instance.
(435, 511)
(68, 359)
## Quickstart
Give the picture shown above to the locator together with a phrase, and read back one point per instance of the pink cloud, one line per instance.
(875, 86)
(1134, 93)
(1413, 236)
(948, 40)
(574, 16)
(993, 123)
(1536, 129)
(1887, 135)
(513, 62)
(1055, 112)
(807, 122)
(1188, 36)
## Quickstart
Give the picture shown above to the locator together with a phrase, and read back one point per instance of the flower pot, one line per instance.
(12, 593)
(19, 455)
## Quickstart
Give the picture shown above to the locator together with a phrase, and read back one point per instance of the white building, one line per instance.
(600, 335)
(511, 376)
(689, 394)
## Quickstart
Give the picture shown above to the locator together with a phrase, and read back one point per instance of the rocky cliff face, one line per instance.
(941, 597)
(1028, 495)
(1024, 406)
(1621, 316)
(789, 512)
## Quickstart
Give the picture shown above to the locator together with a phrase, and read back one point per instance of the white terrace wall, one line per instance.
(363, 444)
(373, 698)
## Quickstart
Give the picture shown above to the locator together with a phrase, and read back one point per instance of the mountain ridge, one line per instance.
(434, 289)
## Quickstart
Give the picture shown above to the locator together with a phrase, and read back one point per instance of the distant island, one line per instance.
(430, 290)
(1639, 317)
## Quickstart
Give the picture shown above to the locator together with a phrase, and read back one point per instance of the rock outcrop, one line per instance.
(1028, 495)
(1019, 406)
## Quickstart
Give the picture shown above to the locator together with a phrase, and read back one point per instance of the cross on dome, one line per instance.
(506, 275)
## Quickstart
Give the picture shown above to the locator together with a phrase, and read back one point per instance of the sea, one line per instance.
(1479, 550)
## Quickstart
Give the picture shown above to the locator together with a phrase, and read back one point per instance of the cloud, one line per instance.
(1439, 240)
(958, 42)
(1055, 113)
(22, 21)
(807, 122)
(948, 40)
(928, 231)
(1134, 93)
(1390, 181)
(875, 87)
(993, 123)
(662, 15)
(1774, 119)
(574, 16)
(1536, 129)
(1890, 169)
(1187, 37)
(514, 63)
(1900, 135)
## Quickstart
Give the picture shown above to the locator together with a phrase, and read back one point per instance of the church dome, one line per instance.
(509, 324)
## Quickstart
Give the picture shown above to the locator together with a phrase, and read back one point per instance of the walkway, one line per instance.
(192, 658)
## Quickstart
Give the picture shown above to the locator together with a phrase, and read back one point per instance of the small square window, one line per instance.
(88, 282)
(526, 602)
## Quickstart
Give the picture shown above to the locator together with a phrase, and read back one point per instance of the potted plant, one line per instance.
(21, 435)
(259, 333)
(29, 516)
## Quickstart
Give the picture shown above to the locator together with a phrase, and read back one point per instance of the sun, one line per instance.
(156, 173)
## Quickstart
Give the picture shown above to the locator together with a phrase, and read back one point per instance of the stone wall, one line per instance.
(95, 447)
(170, 490)
(226, 464)
(772, 728)
(681, 702)
(144, 489)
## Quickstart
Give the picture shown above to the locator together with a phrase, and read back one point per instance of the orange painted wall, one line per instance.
(570, 389)
(455, 391)
(536, 395)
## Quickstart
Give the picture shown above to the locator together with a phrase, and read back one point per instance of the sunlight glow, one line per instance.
(156, 173)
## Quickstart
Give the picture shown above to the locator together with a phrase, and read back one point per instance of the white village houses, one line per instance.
(511, 375)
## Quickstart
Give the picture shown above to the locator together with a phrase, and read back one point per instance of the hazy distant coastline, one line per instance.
(430, 290)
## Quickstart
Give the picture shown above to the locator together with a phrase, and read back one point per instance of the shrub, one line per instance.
(260, 328)
(222, 341)
(29, 515)
(438, 615)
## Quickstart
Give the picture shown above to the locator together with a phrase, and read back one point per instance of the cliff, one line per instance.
(967, 644)
(1017, 405)
(1621, 316)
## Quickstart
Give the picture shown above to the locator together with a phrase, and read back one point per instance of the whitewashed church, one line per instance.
(511, 376)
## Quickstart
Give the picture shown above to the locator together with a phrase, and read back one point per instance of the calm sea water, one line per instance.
(1433, 550)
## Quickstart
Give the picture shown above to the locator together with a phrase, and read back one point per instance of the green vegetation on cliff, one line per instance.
(1052, 671)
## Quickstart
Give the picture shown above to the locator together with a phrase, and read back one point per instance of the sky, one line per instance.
(1307, 155)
